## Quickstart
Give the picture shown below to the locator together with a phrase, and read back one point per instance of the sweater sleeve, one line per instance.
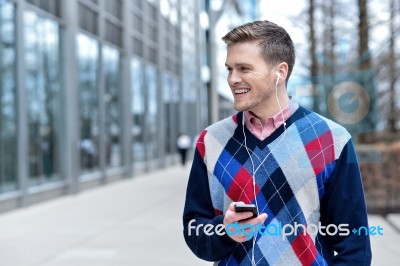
(198, 213)
(344, 203)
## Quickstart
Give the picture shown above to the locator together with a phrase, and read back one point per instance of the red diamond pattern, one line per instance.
(241, 188)
(321, 158)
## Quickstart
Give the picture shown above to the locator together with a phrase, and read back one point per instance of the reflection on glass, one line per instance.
(164, 8)
(171, 109)
(138, 111)
(151, 114)
(173, 18)
(88, 57)
(43, 97)
(112, 107)
(8, 175)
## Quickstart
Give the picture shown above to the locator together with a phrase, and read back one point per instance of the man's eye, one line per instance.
(229, 69)
(244, 68)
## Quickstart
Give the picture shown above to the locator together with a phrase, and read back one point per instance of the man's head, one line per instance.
(275, 43)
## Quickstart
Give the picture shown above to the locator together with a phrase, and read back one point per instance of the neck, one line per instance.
(272, 107)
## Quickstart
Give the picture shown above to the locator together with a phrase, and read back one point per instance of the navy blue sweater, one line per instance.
(307, 178)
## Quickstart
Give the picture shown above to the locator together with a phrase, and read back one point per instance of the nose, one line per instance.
(234, 78)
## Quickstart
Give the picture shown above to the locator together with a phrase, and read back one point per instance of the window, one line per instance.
(51, 6)
(164, 8)
(171, 112)
(114, 7)
(151, 114)
(138, 46)
(112, 107)
(87, 19)
(8, 120)
(42, 97)
(88, 61)
(113, 33)
(137, 22)
(138, 111)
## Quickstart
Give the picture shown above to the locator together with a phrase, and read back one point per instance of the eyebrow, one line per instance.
(239, 64)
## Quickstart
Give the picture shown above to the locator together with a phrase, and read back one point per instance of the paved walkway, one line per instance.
(131, 222)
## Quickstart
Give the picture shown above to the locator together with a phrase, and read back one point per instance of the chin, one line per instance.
(240, 108)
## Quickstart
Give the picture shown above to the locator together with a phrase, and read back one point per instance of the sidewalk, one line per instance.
(131, 222)
(385, 249)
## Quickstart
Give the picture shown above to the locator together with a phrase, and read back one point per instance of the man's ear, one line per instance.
(283, 69)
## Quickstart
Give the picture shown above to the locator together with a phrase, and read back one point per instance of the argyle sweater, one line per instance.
(306, 174)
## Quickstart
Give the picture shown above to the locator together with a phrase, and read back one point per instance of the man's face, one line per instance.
(249, 77)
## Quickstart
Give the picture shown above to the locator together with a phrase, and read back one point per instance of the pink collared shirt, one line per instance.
(272, 123)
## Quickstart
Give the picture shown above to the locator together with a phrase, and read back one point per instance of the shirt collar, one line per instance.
(276, 120)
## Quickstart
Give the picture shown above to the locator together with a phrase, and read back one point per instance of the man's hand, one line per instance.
(232, 217)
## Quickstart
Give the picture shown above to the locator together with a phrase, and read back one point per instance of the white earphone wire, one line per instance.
(252, 162)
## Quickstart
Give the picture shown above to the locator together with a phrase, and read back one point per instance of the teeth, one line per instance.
(241, 91)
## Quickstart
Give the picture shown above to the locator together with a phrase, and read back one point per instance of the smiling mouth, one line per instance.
(241, 91)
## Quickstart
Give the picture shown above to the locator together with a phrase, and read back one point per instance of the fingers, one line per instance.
(245, 230)
(262, 217)
(233, 220)
(232, 205)
(231, 216)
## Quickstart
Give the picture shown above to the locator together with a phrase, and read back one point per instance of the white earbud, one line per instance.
(278, 77)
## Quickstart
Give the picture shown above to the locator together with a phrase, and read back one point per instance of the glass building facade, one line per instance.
(92, 91)
(8, 101)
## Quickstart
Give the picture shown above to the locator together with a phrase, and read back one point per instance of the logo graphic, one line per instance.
(358, 97)
(345, 93)
(280, 230)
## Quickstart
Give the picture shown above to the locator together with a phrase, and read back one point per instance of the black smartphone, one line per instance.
(240, 207)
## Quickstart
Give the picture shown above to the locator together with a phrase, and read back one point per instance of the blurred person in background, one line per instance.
(183, 144)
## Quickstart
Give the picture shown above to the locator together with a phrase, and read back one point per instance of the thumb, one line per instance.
(263, 217)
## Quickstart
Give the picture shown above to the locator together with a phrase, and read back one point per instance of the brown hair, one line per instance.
(275, 42)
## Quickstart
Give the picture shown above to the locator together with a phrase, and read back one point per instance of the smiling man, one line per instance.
(299, 169)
